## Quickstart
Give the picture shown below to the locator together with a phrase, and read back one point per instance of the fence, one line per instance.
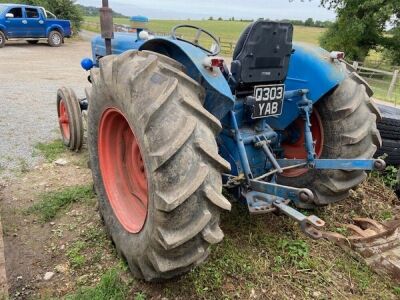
(385, 83)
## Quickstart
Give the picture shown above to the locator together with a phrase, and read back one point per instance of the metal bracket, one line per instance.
(282, 191)
(261, 203)
(310, 225)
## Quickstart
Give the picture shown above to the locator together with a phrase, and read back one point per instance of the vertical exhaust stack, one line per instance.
(107, 25)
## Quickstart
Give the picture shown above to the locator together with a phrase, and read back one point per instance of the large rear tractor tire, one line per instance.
(347, 118)
(155, 163)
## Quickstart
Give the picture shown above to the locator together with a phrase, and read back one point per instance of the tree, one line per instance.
(309, 22)
(63, 9)
(361, 25)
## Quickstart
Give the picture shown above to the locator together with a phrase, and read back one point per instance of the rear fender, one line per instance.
(219, 99)
(3, 29)
(311, 68)
(55, 27)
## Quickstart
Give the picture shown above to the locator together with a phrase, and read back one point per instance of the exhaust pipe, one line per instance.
(107, 26)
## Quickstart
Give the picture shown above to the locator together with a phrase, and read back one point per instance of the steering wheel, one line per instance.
(197, 37)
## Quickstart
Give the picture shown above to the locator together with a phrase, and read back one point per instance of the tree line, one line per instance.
(364, 25)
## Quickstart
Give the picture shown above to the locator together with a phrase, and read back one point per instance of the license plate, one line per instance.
(268, 100)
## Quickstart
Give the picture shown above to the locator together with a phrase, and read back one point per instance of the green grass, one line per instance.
(110, 287)
(381, 86)
(52, 150)
(53, 202)
(226, 30)
(74, 254)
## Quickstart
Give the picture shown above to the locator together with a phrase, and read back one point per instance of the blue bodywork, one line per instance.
(30, 22)
(310, 69)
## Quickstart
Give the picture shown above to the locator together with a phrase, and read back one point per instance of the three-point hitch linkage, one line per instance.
(262, 196)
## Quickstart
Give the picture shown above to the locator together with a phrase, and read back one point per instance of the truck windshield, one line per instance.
(2, 8)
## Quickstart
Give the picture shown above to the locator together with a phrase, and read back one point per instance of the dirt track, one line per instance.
(29, 78)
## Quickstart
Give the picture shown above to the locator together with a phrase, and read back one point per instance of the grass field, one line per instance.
(226, 30)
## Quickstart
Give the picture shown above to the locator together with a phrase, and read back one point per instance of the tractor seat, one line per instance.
(262, 54)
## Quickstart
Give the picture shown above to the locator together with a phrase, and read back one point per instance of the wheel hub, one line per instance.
(296, 149)
(63, 119)
(123, 170)
(56, 39)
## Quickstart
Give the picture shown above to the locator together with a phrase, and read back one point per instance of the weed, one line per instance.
(111, 286)
(359, 272)
(51, 150)
(74, 254)
(296, 252)
(228, 260)
(396, 290)
(53, 202)
(388, 176)
(386, 215)
(94, 235)
(140, 296)
(23, 165)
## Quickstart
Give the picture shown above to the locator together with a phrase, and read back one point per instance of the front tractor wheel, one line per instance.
(155, 163)
(343, 126)
(70, 119)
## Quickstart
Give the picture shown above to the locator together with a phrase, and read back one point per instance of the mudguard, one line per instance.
(219, 98)
(55, 27)
(310, 68)
(3, 29)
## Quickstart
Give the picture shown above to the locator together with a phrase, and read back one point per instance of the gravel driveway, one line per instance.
(29, 78)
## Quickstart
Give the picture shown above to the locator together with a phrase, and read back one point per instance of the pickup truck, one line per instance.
(32, 23)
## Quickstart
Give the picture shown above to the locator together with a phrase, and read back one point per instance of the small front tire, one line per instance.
(70, 119)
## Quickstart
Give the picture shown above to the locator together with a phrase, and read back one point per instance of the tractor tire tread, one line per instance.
(182, 220)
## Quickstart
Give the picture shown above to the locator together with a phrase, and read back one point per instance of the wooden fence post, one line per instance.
(355, 65)
(393, 84)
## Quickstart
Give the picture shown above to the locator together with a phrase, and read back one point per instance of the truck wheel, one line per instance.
(33, 42)
(70, 119)
(55, 39)
(2, 39)
(343, 126)
(155, 163)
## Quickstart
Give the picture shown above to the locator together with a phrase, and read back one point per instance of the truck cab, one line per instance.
(32, 23)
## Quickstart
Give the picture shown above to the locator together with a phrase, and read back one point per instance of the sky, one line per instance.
(198, 9)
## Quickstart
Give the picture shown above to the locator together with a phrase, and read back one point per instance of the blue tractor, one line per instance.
(170, 125)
